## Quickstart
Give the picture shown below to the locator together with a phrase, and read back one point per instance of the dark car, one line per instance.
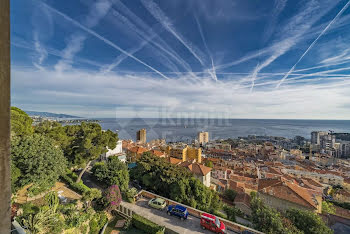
(247, 232)
(136, 184)
(178, 211)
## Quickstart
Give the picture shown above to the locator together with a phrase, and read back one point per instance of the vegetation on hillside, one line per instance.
(174, 182)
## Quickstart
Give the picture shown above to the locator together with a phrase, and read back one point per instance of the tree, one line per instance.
(307, 221)
(328, 208)
(87, 142)
(174, 182)
(112, 172)
(91, 195)
(209, 164)
(38, 160)
(230, 194)
(266, 219)
(15, 174)
(21, 123)
(46, 220)
(231, 212)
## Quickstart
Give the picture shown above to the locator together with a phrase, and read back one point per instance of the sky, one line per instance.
(256, 59)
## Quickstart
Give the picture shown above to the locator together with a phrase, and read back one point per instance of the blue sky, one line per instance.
(197, 58)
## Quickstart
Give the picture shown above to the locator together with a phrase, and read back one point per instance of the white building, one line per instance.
(117, 151)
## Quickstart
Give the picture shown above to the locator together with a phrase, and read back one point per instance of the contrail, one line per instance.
(158, 14)
(213, 72)
(161, 45)
(313, 43)
(102, 39)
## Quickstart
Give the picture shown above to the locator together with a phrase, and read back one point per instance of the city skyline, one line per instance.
(271, 59)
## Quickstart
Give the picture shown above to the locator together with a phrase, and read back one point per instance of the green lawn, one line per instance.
(110, 227)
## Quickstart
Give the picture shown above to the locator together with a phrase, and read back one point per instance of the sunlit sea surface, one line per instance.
(186, 129)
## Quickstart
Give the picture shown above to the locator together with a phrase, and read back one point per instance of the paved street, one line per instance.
(191, 225)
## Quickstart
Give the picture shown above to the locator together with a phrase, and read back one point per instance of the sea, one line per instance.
(185, 130)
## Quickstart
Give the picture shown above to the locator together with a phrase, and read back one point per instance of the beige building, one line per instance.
(184, 153)
(141, 136)
(199, 171)
(283, 195)
(203, 137)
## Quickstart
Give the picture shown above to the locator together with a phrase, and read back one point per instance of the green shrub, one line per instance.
(146, 225)
(79, 187)
(29, 208)
(97, 222)
(37, 189)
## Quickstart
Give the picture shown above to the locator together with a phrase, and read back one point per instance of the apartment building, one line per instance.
(184, 152)
(141, 136)
(203, 138)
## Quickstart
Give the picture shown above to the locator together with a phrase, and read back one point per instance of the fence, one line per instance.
(197, 213)
(124, 211)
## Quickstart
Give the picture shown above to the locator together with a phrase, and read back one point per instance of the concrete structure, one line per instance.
(316, 137)
(117, 150)
(199, 171)
(141, 136)
(242, 201)
(219, 146)
(219, 172)
(184, 152)
(203, 137)
(329, 179)
(344, 149)
(5, 179)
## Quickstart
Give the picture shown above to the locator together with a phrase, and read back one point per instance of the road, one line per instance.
(191, 225)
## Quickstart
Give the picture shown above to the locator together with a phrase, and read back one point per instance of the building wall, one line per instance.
(186, 153)
(244, 208)
(141, 136)
(280, 204)
(194, 153)
(117, 150)
(204, 179)
(203, 137)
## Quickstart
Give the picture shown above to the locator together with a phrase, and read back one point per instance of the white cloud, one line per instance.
(79, 92)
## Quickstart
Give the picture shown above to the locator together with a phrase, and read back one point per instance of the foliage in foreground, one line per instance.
(269, 220)
(174, 182)
(112, 172)
(70, 178)
(21, 123)
(36, 160)
(146, 225)
(53, 217)
(308, 222)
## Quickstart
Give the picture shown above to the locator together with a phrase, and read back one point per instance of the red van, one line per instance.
(212, 223)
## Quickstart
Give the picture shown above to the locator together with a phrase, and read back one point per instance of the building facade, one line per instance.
(203, 138)
(184, 152)
(141, 136)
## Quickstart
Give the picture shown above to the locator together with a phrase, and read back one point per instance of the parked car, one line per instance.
(178, 211)
(247, 232)
(212, 223)
(136, 185)
(157, 203)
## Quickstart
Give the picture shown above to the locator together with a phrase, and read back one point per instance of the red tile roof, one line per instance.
(196, 168)
(289, 191)
(157, 153)
(174, 160)
(138, 150)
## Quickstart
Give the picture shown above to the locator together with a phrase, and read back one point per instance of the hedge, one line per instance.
(70, 178)
(146, 225)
